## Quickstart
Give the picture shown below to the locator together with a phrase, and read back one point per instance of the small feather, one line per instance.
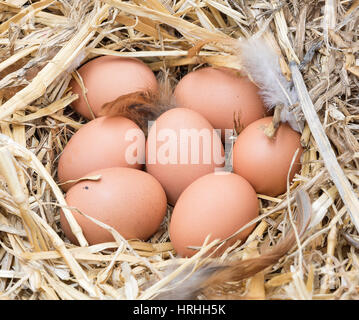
(261, 63)
(142, 106)
(189, 284)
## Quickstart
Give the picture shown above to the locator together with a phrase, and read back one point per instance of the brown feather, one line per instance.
(139, 106)
(142, 106)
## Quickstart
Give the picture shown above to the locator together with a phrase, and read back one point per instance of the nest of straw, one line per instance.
(42, 43)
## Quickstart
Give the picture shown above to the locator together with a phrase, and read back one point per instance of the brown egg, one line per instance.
(218, 204)
(181, 147)
(106, 78)
(265, 162)
(218, 93)
(128, 200)
(102, 143)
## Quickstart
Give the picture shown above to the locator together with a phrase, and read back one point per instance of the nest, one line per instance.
(41, 45)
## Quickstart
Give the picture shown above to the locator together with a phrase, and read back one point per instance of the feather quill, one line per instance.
(261, 64)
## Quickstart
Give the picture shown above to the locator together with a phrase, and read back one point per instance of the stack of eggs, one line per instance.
(182, 161)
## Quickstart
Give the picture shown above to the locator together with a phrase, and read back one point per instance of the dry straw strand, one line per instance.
(54, 68)
(340, 180)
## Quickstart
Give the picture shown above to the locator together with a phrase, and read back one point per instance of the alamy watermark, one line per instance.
(184, 146)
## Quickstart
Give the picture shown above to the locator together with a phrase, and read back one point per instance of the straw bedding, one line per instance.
(41, 45)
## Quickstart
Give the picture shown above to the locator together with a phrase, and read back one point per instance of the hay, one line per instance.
(41, 44)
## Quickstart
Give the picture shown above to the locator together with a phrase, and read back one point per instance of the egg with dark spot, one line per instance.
(129, 200)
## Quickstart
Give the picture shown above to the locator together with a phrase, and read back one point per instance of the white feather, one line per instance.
(261, 63)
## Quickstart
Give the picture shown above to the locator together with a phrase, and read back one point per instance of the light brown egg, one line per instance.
(128, 200)
(217, 204)
(265, 162)
(102, 143)
(175, 159)
(106, 78)
(218, 94)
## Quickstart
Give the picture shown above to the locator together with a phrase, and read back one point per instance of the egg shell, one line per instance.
(106, 78)
(219, 93)
(217, 204)
(175, 176)
(99, 144)
(129, 200)
(265, 162)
